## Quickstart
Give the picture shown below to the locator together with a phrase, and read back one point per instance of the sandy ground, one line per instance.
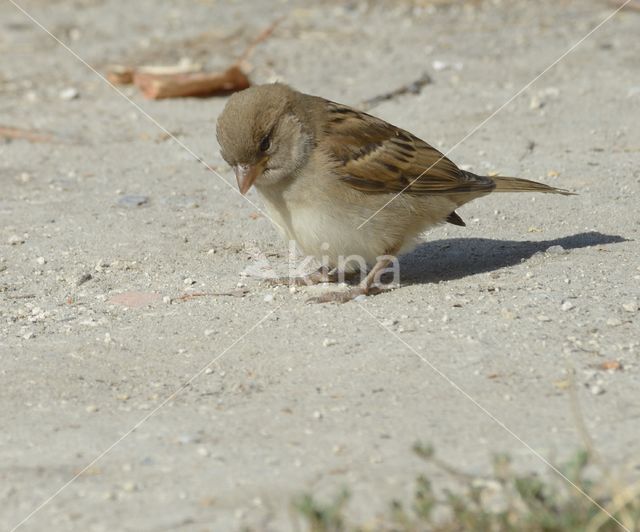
(306, 397)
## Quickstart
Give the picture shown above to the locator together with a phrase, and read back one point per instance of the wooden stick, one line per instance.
(192, 295)
(120, 74)
(179, 81)
(159, 86)
(14, 133)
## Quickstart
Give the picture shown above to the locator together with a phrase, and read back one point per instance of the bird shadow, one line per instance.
(455, 258)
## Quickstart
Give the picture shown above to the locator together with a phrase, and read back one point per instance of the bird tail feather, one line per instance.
(516, 184)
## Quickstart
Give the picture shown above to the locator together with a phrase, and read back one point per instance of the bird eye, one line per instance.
(265, 143)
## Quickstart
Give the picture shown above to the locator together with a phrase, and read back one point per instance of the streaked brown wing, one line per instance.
(376, 157)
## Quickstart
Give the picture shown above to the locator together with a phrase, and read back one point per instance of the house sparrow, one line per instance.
(341, 183)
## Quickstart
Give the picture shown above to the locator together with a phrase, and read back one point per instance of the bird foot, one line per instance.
(345, 296)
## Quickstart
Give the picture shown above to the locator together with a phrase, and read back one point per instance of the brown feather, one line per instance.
(376, 157)
(454, 218)
(517, 184)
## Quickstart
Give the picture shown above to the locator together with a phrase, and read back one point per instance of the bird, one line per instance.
(342, 183)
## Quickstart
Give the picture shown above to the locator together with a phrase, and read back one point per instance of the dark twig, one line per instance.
(409, 88)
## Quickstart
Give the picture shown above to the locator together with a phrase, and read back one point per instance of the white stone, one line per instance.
(70, 93)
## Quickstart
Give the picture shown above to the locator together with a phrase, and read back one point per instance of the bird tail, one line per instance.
(515, 184)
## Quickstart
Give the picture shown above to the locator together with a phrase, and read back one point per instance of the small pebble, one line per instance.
(129, 486)
(535, 103)
(268, 298)
(189, 281)
(633, 91)
(209, 332)
(556, 250)
(84, 278)
(208, 371)
(327, 342)
(544, 318)
(14, 240)
(203, 451)
(596, 389)
(439, 65)
(630, 306)
(90, 409)
(566, 305)
(68, 94)
(130, 201)
(41, 261)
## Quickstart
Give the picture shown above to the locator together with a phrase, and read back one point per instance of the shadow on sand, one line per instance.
(454, 258)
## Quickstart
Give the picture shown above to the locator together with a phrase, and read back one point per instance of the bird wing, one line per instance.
(376, 157)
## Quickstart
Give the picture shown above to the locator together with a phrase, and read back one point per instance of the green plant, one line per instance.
(504, 502)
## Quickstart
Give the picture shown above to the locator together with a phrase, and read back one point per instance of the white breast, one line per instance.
(322, 216)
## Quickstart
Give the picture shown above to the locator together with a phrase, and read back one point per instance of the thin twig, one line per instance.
(409, 88)
(262, 36)
(193, 295)
(15, 133)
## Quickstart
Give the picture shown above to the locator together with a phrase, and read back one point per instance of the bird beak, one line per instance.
(246, 174)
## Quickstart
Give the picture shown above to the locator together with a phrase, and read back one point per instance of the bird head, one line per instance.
(263, 135)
